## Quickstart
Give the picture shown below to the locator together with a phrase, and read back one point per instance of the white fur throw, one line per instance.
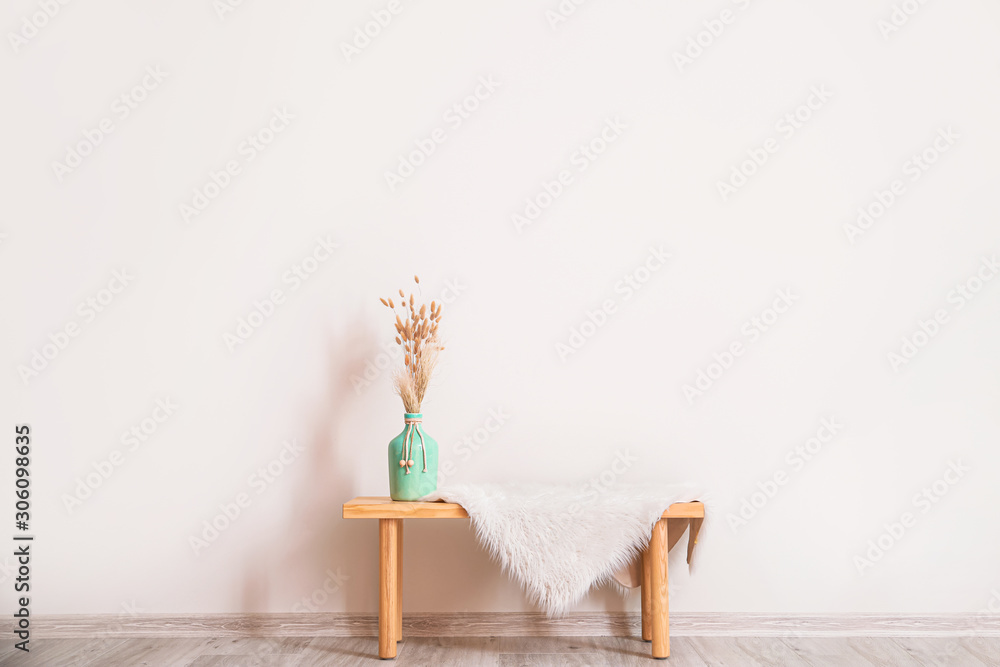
(557, 542)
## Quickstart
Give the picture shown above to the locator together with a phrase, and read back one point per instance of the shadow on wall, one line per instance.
(302, 565)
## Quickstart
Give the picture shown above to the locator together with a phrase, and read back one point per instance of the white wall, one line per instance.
(520, 292)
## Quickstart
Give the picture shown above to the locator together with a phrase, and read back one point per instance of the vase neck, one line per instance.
(413, 417)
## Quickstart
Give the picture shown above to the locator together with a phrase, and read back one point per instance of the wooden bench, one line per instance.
(390, 515)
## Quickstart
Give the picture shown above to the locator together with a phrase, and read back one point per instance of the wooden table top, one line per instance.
(382, 507)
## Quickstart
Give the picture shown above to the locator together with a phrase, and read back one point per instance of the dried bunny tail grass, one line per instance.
(403, 383)
(384, 302)
(411, 381)
(424, 371)
(420, 345)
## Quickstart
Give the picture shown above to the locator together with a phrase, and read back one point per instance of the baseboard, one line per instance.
(480, 624)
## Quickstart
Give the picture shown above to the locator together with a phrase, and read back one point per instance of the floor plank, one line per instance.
(343, 652)
(252, 652)
(7, 650)
(755, 651)
(682, 652)
(986, 650)
(823, 651)
(449, 652)
(156, 652)
(880, 651)
(618, 651)
(939, 651)
(557, 660)
(621, 651)
(550, 644)
(771, 651)
(510, 652)
(64, 652)
(250, 660)
(256, 645)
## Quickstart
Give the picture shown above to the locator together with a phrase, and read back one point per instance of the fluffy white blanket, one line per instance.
(559, 542)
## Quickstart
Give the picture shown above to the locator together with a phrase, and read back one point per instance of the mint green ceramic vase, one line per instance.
(413, 460)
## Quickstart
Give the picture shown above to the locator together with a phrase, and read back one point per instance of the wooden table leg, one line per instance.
(658, 590)
(388, 574)
(399, 582)
(647, 609)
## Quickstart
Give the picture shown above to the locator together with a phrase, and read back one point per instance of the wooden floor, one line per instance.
(508, 652)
